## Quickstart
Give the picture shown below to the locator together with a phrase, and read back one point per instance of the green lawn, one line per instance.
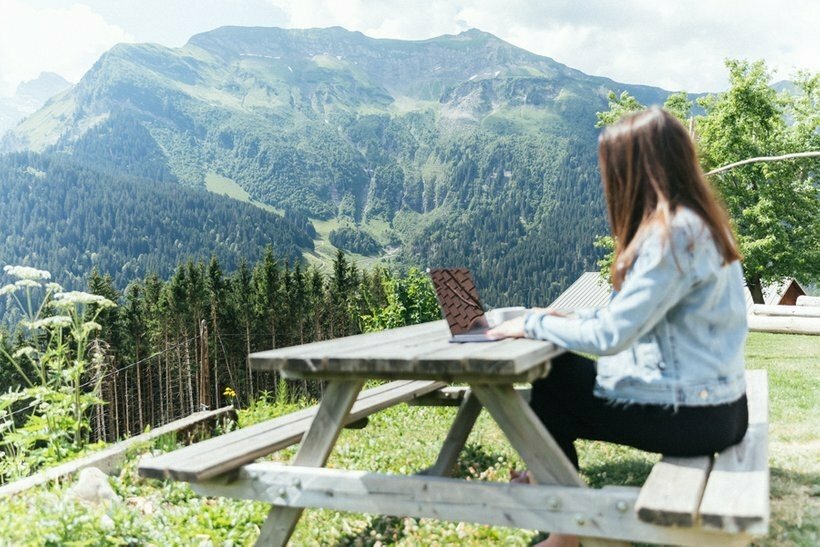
(404, 439)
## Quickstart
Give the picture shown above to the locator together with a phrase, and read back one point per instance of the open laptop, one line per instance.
(458, 299)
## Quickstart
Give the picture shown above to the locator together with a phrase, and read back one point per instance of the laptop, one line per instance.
(458, 299)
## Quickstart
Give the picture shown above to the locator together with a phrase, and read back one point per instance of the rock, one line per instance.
(92, 487)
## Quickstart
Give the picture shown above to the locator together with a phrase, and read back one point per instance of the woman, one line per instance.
(670, 378)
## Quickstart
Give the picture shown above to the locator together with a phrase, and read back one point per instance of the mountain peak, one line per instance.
(43, 87)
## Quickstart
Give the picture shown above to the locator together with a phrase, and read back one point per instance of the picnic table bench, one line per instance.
(689, 501)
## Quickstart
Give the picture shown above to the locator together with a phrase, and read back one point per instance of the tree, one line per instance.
(775, 206)
(619, 106)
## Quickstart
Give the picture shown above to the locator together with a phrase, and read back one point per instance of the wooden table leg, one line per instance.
(314, 450)
(542, 455)
(464, 421)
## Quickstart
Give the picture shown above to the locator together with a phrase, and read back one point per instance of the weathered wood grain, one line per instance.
(784, 325)
(736, 498)
(604, 513)
(808, 300)
(672, 493)
(456, 437)
(786, 311)
(544, 458)
(313, 452)
(420, 352)
(226, 452)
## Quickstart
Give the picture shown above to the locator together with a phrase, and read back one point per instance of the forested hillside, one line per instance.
(173, 345)
(458, 150)
(69, 219)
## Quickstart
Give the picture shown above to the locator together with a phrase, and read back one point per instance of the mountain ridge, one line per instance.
(417, 143)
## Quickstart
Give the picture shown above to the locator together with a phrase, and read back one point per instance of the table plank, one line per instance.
(226, 452)
(736, 498)
(277, 359)
(672, 493)
(419, 352)
(602, 513)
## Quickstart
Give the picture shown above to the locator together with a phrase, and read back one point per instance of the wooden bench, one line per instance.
(228, 452)
(726, 493)
(695, 501)
(729, 492)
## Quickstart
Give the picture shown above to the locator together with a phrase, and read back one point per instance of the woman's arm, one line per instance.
(659, 278)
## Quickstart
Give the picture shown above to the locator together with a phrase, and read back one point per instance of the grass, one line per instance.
(224, 186)
(404, 439)
(324, 252)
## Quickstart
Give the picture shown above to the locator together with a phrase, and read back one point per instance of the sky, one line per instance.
(673, 44)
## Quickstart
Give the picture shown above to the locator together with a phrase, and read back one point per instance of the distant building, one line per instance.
(783, 293)
(593, 291)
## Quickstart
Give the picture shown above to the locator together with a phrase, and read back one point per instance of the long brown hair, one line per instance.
(649, 168)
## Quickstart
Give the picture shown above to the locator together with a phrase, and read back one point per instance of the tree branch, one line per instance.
(764, 158)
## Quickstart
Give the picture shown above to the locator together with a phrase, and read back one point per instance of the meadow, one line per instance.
(404, 439)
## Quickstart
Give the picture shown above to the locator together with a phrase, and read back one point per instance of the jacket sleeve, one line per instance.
(659, 278)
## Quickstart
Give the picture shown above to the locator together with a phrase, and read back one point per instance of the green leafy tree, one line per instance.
(775, 206)
(619, 106)
(410, 300)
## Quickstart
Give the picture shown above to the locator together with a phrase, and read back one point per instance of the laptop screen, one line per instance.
(458, 298)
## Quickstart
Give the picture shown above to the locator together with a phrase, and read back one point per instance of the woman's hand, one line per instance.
(514, 328)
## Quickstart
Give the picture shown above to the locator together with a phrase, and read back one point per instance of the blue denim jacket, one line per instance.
(674, 334)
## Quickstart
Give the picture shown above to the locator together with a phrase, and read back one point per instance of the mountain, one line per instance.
(457, 150)
(29, 97)
(69, 219)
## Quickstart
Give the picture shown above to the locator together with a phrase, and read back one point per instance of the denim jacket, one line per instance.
(674, 334)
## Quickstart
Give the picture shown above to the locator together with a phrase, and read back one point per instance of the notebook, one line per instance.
(458, 299)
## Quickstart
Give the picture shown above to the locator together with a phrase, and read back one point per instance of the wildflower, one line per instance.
(28, 351)
(229, 392)
(57, 321)
(90, 326)
(24, 272)
(8, 289)
(26, 283)
(72, 298)
(54, 287)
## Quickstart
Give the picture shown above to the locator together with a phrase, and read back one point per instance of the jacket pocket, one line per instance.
(648, 358)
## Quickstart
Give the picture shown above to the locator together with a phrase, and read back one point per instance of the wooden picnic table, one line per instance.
(559, 501)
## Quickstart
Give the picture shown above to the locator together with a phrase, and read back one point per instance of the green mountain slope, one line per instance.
(68, 219)
(454, 150)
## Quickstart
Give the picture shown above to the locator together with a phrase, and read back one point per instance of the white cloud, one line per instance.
(676, 45)
(62, 40)
(673, 44)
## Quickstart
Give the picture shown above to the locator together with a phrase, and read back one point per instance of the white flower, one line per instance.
(89, 326)
(8, 289)
(54, 321)
(28, 351)
(54, 287)
(26, 283)
(71, 298)
(24, 272)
